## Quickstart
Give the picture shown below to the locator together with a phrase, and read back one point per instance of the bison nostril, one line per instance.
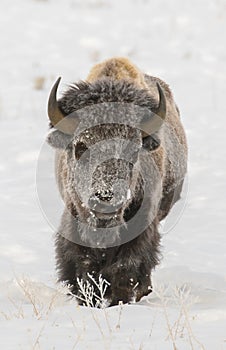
(105, 196)
(105, 201)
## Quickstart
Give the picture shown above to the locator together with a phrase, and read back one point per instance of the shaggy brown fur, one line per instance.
(126, 266)
(117, 69)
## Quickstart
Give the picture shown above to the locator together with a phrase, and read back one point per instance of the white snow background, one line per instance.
(182, 42)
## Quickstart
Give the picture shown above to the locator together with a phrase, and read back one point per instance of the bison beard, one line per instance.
(126, 265)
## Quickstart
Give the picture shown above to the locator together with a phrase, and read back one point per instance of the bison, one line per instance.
(121, 159)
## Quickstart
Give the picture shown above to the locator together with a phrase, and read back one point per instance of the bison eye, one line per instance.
(79, 149)
(151, 142)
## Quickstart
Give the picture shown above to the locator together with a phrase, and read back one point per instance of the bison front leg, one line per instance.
(130, 285)
(130, 275)
(74, 263)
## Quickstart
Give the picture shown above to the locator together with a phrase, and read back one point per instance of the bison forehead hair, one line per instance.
(83, 94)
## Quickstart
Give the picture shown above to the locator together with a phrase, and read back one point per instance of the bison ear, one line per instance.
(151, 142)
(59, 140)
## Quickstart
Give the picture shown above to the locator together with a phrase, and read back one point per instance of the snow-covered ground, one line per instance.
(183, 42)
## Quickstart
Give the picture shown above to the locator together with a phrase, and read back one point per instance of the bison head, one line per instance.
(106, 135)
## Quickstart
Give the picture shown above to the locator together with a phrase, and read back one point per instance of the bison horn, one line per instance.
(161, 110)
(153, 123)
(65, 124)
(55, 114)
